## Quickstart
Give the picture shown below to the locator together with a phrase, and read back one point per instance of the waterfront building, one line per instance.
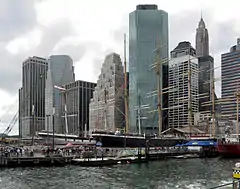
(32, 96)
(107, 105)
(78, 96)
(148, 30)
(183, 60)
(230, 79)
(60, 72)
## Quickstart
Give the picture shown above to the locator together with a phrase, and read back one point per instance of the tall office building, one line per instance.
(60, 72)
(32, 96)
(148, 29)
(206, 66)
(183, 61)
(202, 40)
(230, 79)
(107, 105)
(78, 96)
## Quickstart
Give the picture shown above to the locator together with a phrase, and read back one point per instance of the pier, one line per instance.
(91, 159)
(35, 161)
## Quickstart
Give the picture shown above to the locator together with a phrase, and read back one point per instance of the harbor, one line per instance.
(93, 154)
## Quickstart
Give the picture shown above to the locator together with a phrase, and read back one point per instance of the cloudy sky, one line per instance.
(88, 30)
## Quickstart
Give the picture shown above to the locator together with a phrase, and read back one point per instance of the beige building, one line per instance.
(106, 109)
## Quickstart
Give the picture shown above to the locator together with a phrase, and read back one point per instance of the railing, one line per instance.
(232, 184)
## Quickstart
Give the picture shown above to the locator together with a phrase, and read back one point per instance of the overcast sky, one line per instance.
(88, 30)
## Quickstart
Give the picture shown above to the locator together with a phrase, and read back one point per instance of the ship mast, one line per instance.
(189, 95)
(159, 88)
(139, 116)
(213, 107)
(105, 109)
(125, 88)
(237, 94)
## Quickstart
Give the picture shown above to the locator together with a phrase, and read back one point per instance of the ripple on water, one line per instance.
(190, 173)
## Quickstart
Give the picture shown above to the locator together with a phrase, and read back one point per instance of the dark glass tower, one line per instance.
(32, 96)
(148, 27)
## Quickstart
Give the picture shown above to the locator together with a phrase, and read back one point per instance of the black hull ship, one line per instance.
(133, 141)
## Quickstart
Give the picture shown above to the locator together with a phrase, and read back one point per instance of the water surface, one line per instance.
(190, 173)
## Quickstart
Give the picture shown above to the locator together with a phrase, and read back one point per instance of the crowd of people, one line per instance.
(46, 151)
(11, 151)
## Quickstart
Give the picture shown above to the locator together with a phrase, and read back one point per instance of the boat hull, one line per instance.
(229, 150)
(134, 142)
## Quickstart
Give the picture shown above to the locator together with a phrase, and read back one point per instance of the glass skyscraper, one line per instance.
(60, 72)
(230, 80)
(148, 28)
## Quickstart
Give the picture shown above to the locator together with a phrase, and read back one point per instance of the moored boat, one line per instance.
(131, 140)
(229, 147)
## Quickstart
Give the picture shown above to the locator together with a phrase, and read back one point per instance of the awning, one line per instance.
(200, 143)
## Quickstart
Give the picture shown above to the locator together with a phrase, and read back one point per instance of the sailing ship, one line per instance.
(119, 139)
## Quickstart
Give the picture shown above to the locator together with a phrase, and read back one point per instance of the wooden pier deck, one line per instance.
(35, 161)
(58, 160)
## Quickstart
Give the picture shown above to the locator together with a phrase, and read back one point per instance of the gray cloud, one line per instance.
(10, 68)
(223, 37)
(52, 35)
(16, 17)
(10, 71)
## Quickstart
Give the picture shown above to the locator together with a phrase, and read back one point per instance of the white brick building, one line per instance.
(106, 109)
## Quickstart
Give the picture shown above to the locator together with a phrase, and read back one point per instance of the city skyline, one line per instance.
(33, 36)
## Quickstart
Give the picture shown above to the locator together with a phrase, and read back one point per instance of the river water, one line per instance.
(169, 174)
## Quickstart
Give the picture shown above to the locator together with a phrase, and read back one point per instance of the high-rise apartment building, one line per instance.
(32, 96)
(183, 68)
(78, 96)
(107, 105)
(230, 79)
(60, 72)
(148, 30)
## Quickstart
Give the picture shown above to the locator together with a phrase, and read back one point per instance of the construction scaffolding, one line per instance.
(183, 75)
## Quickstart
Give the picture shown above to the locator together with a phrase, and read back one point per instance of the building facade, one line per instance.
(107, 105)
(183, 68)
(78, 96)
(206, 76)
(60, 72)
(206, 67)
(32, 96)
(202, 40)
(148, 29)
(230, 80)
